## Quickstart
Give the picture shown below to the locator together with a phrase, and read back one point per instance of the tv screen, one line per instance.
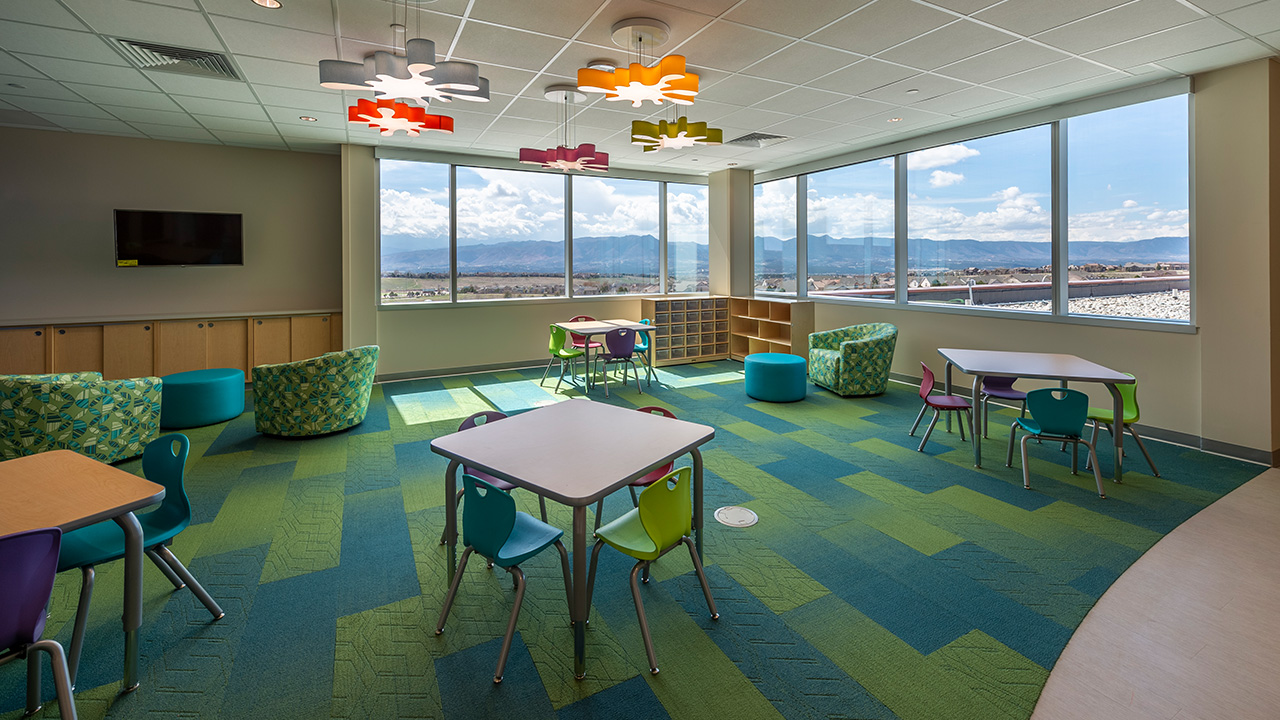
(150, 238)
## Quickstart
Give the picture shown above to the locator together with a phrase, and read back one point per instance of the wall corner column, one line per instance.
(359, 246)
(730, 195)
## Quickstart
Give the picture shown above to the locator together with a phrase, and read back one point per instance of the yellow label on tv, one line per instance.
(126, 263)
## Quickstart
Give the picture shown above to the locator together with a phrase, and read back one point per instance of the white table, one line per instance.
(64, 489)
(587, 328)
(608, 447)
(1048, 366)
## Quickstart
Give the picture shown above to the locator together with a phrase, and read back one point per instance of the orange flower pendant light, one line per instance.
(666, 80)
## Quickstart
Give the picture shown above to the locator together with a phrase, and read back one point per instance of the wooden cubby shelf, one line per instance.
(689, 329)
(759, 325)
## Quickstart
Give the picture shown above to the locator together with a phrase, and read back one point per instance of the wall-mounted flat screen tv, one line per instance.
(157, 238)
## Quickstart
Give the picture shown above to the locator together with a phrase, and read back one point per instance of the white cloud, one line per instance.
(942, 178)
(842, 216)
(941, 156)
(1128, 224)
(604, 209)
(1016, 216)
(775, 209)
(1129, 203)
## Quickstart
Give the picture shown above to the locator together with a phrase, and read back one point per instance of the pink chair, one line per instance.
(654, 476)
(580, 341)
(940, 404)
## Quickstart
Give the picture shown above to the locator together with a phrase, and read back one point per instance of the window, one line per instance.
(688, 234)
(1128, 237)
(615, 236)
(415, 232)
(775, 236)
(850, 231)
(979, 224)
(510, 234)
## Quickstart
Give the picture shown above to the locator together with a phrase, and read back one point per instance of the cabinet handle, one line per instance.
(200, 325)
(39, 333)
(210, 324)
(146, 328)
(324, 319)
(259, 322)
(62, 332)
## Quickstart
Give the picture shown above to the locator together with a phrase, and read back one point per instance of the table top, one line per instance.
(576, 451)
(65, 489)
(1050, 366)
(596, 327)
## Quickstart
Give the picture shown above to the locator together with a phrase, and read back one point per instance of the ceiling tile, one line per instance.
(35, 87)
(289, 132)
(1264, 17)
(752, 118)
(1088, 86)
(95, 125)
(1048, 76)
(521, 126)
(850, 110)
(320, 99)
(213, 88)
(49, 106)
(995, 109)
(603, 119)
(508, 81)
(561, 18)
(255, 40)
(1002, 61)
(799, 101)
(370, 21)
(1029, 18)
(1217, 57)
(507, 46)
(799, 126)
(881, 25)
(315, 17)
(539, 109)
(284, 117)
(730, 47)
(947, 44)
(54, 42)
(12, 65)
(213, 122)
(1123, 23)
(742, 90)
(322, 148)
(925, 86)
(965, 7)
(1177, 41)
(155, 117)
(144, 21)
(1221, 6)
(966, 99)
(862, 76)
(249, 139)
(683, 23)
(170, 132)
(22, 118)
(278, 72)
(91, 73)
(800, 63)
(781, 17)
(40, 13)
(120, 96)
(221, 108)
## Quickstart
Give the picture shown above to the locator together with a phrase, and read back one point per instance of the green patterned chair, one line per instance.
(854, 360)
(108, 420)
(317, 396)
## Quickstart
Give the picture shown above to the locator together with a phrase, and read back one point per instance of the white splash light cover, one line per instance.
(413, 76)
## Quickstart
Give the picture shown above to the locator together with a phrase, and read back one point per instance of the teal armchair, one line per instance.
(854, 360)
(317, 396)
(108, 420)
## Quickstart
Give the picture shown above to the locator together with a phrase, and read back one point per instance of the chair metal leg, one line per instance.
(636, 371)
(34, 703)
(1026, 467)
(542, 505)
(1143, 448)
(196, 588)
(644, 622)
(511, 624)
(702, 577)
(456, 501)
(561, 378)
(928, 432)
(164, 568)
(1013, 432)
(984, 412)
(599, 512)
(916, 424)
(960, 423)
(549, 364)
(591, 577)
(635, 499)
(568, 580)
(453, 588)
(1097, 477)
(61, 678)
(1075, 456)
(82, 618)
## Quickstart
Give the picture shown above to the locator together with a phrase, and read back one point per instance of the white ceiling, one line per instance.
(830, 74)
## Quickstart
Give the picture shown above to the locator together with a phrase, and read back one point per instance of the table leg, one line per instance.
(1117, 412)
(581, 603)
(946, 390)
(132, 596)
(974, 435)
(697, 501)
(451, 516)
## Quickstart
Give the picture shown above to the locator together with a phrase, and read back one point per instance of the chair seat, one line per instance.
(1106, 415)
(568, 354)
(627, 535)
(499, 483)
(1007, 394)
(593, 345)
(104, 542)
(948, 402)
(529, 537)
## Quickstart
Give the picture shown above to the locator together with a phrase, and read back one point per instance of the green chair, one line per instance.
(506, 537)
(163, 461)
(1106, 416)
(663, 520)
(314, 397)
(1057, 414)
(854, 360)
(556, 346)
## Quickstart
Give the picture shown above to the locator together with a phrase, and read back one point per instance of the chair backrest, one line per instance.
(556, 343)
(995, 382)
(926, 381)
(666, 508)
(488, 516)
(1059, 411)
(579, 339)
(621, 343)
(164, 461)
(642, 339)
(30, 560)
(483, 417)
(656, 474)
(1129, 393)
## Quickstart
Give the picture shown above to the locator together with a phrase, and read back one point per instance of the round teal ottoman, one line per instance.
(201, 397)
(776, 377)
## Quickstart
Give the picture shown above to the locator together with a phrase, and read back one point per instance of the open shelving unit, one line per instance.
(689, 329)
(759, 325)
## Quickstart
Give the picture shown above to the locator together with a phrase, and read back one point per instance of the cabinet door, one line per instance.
(23, 350)
(181, 346)
(128, 350)
(309, 336)
(77, 349)
(335, 332)
(228, 344)
(271, 341)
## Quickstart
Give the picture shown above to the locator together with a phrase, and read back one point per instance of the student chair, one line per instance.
(652, 477)
(940, 404)
(644, 346)
(556, 347)
(998, 387)
(482, 418)
(1057, 414)
(579, 342)
(1106, 416)
(620, 346)
(28, 562)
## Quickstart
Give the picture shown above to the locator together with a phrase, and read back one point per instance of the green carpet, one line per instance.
(879, 583)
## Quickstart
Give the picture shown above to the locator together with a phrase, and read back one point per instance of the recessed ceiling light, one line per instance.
(733, 164)
(603, 65)
(269, 4)
(17, 85)
(913, 91)
(895, 119)
(308, 118)
(397, 28)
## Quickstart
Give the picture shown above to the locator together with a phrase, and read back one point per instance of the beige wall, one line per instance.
(58, 236)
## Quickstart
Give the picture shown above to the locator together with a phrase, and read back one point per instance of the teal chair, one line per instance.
(556, 346)
(1106, 416)
(663, 520)
(643, 345)
(506, 537)
(163, 462)
(1057, 414)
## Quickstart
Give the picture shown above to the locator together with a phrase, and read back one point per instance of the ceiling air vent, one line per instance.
(758, 139)
(154, 56)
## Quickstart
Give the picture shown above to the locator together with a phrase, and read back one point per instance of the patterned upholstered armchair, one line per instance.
(108, 420)
(854, 360)
(317, 396)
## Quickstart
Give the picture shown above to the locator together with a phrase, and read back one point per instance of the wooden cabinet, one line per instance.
(128, 350)
(77, 348)
(758, 325)
(227, 344)
(181, 346)
(309, 336)
(689, 329)
(24, 350)
(271, 341)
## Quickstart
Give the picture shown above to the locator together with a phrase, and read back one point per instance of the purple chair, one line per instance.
(998, 387)
(28, 562)
(620, 347)
(481, 418)
(940, 404)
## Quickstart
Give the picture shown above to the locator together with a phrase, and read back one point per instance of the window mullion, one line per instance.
(1058, 221)
(802, 236)
(662, 238)
(568, 236)
(453, 233)
(900, 229)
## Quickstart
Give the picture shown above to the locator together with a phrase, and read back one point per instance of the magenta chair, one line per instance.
(998, 387)
(620, 348)
(28, 562)
(940, 404)
(481, 418)
(652, 477)
(580, 341)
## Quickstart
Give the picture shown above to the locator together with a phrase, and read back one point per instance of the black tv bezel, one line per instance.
(115, 229)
